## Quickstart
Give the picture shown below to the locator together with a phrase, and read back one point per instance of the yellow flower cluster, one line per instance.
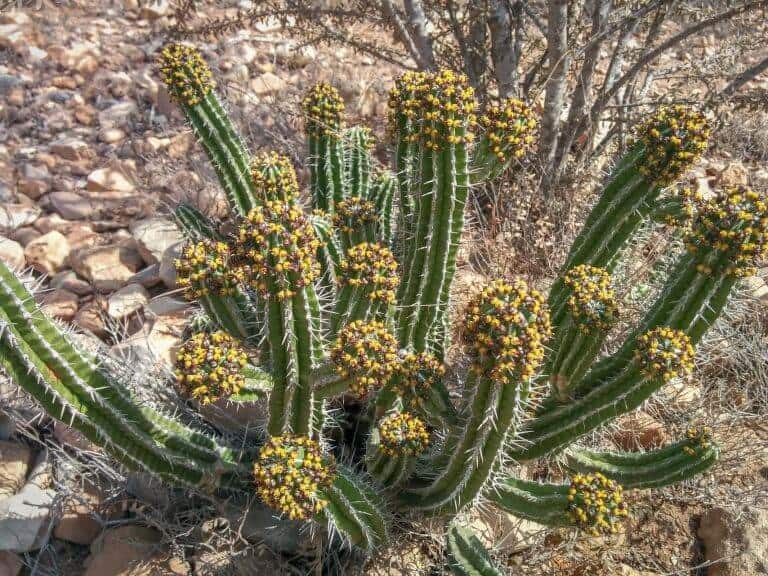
(734, 222)
(442, 106)
(405, 101)
(592, 301)
(596, 504)
(324, 111)
(274, 176)
(205, 268)
(682, 217)
(373, 267)
(365, 353)
(417, 373)
(510, 128)
(403, 434)
(210, 366)
(506, 327)
(290, 475)
(185, 74)
(698, 438)
(354, 213)
(674, 138)
(276, 242)
(664, 353)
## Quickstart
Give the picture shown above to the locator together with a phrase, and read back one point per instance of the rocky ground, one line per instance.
(93, 154)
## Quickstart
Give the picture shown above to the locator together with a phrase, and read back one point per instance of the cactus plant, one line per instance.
(352, 300)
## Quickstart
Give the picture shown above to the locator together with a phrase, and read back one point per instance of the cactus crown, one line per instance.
(506, 327)
(372, 266)
(290, 474)
(418, 373)
(665, 353)
(366, 354)
(510, 128)
(596, 503)
(734, 222)
(186, 75)
(205, 268)
(593, 301)
(210, 366)
(405, 101)
(403, 434)
(354, 213)
(277, 242)
(273, 175)
(674, 138)
(324, 111)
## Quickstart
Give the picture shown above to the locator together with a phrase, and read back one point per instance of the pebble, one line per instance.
(14, 216)
(71, 149)
(69, 280)
(11, 253)
(154, 236)
(49, 253)
(106, 267)
(109, 179)
(59, 303)
(126, 301)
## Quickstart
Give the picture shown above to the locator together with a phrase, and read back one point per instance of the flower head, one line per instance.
(403, 434)
(510, 128)
(506, 327)
(664, 353)
(206, 267)
(404, 103)
(697, 439)
(417, 373)
(210, 366)
(354, 214)
(373, 267)
(185, 74)
(274, 177)
(290, 474)
(276, 244)
(592, 301)
(735, 223)
(596, 504)
(674, 138)
(323, 110)
(365, 353)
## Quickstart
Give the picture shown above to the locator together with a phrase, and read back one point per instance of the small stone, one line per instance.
(48, 254)
(757, 288)
(15, 460)
(735, 545)
(684, 394)
(91, 318)
(639, 430)
(505, 532)
(735, 174)
(154, 10)
(72, 149)
(120, 84)
(59, 303)
(168, 306)
(106, 267)
(14, 216)
(155, 342)
(168, 264)
(127, 300)
(111, 135)
(109, 179)
(154, 236)
(625, 570)
(267, 83)
(11, 253)
(78, 522)
(148, 277)
(118, 115)
(68, 280)
(25, 235)
(122, 551)
(34, 181)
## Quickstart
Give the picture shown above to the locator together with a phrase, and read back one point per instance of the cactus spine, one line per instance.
(353, 301)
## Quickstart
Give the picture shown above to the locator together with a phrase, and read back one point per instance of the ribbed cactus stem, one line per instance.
(358, 142)
(467, 556)
(382, 195)
(67, 381)
(446, 121)
(541, 503)
(679, 461)
(324, 114)
(189, 83)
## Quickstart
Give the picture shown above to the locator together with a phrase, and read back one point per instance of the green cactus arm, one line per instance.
(467, 556)
(189, 83)
(195, 224)
(69, 384)
(357, 142)
(331, 252)
(356, 510)
(541, 503)
(679, 461)
(324, 116)
(382, 195)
